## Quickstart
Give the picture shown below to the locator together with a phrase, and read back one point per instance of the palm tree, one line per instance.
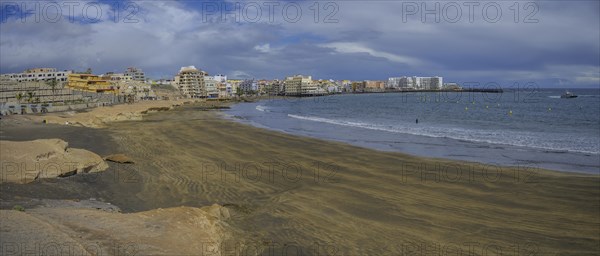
(52, 83)
(19, 96)
(30, 96)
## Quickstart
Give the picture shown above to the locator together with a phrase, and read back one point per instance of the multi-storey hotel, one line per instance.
(299, 85)
(190, 82)
(415, 82)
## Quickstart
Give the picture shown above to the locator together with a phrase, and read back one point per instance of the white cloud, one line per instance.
(240, 75)
(265, 48)
(349, 47)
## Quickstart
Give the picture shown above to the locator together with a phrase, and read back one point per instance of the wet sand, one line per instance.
(297, 195)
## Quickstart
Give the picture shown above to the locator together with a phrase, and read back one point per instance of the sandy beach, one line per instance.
(277, 193)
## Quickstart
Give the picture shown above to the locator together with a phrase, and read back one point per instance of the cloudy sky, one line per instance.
(550, 43)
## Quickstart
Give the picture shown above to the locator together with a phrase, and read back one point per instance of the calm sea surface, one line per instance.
(533, 128)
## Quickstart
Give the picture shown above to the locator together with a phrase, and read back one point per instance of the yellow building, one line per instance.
(374, 84)
(90, 83)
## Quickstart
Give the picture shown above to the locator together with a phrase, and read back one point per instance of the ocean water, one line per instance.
(531, 128)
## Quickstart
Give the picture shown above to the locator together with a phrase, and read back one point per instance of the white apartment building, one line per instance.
(117, 77)
(220, 78)
(136, 74)
(393, 82)
(38, 74)
(430, 83)
(416, 82)
(212, 86)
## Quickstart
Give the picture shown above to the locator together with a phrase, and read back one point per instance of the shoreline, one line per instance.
(185, 157)
(531, 162)
(482, 164)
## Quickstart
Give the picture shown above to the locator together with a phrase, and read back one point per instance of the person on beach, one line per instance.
(417, 121)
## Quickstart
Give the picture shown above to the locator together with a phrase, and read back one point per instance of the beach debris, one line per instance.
(19, 208)
(211, 107)
(156, 109)
(119, 158)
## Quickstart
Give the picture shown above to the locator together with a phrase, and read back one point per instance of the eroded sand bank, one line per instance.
(100, 116)
(94, 228)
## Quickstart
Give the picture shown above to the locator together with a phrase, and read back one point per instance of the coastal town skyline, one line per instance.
(192, 82)
(469, 82)
(387, 83)
(155, 78)
(339, 41)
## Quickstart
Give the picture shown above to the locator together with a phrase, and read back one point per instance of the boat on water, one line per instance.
(568, 95)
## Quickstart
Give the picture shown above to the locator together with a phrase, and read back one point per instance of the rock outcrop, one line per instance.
(26, 161)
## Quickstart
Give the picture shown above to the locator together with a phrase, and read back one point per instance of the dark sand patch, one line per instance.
(118, 184)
